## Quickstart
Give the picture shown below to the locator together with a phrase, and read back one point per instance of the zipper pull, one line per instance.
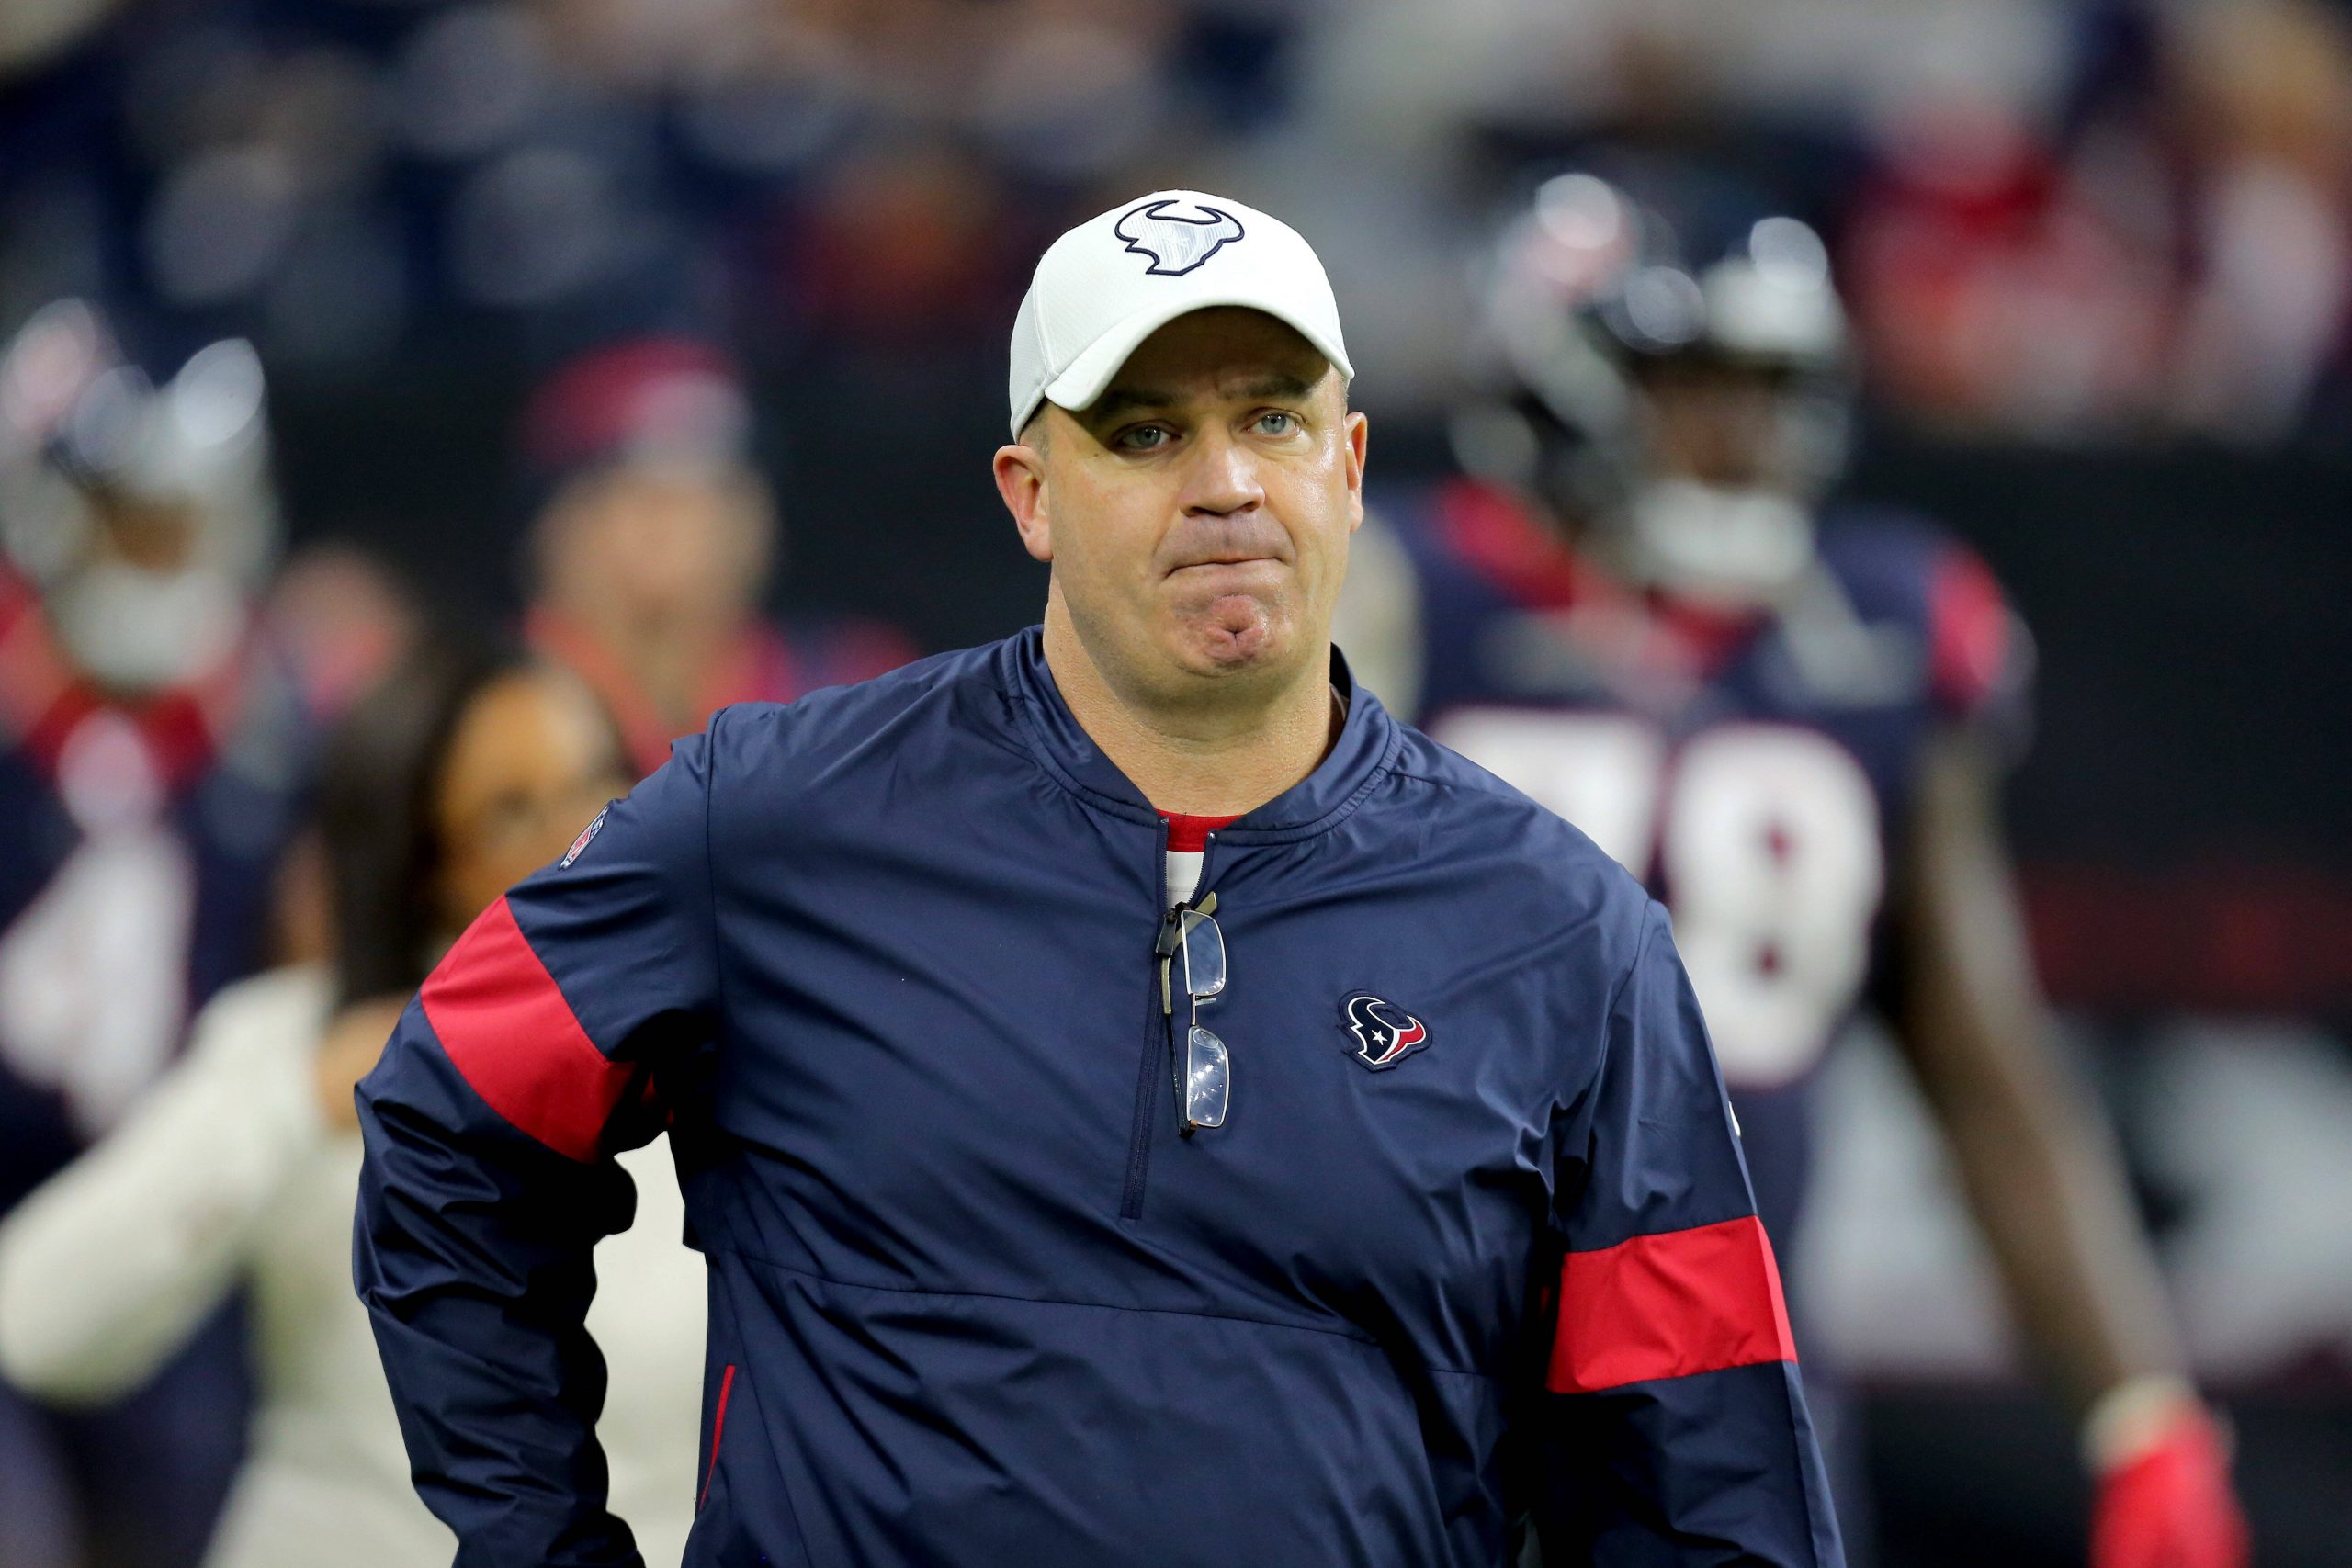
(1163, 948)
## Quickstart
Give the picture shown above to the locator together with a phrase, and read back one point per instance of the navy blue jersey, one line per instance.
(1756, 773)
(1473, 1244)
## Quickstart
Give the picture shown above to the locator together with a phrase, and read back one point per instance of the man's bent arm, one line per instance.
(2039, 1168)
(527, 1059)
(1673, 1424)
(2047, 1186)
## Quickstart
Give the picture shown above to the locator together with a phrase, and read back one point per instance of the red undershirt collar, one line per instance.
(1189, 835)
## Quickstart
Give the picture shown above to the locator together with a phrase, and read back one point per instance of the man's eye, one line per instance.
(1277, 421)
(1143, 437)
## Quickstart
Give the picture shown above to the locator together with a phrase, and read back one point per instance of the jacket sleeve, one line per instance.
(1671, 1425)
(525, 1062)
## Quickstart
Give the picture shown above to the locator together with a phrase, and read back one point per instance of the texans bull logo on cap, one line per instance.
(1175, 243)
(1384, 1034)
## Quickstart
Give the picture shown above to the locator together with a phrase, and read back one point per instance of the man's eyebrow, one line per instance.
(1279, 386)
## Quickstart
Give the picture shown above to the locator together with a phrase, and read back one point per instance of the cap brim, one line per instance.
(1084, 381)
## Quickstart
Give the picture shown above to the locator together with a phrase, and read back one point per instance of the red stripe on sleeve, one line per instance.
(513, 1037)
(1668, 1306)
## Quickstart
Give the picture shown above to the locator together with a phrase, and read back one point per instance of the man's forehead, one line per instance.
(1226, 351)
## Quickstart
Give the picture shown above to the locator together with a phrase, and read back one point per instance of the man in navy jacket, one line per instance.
(1140, 1103)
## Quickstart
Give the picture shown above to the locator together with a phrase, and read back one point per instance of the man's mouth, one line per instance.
(1223, 560)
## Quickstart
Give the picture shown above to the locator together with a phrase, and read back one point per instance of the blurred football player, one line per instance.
(150, 751)
(657, 541)
(1793, 726)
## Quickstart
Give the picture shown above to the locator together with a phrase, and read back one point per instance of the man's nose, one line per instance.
(1223, 476)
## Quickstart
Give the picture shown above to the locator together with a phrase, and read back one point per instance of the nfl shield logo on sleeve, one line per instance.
(580, 842)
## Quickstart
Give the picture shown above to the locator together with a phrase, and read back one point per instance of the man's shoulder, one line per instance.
(1904, 572)
(1461, 787)
(931, 704)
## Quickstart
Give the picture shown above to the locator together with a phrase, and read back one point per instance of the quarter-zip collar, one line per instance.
(1366, 746)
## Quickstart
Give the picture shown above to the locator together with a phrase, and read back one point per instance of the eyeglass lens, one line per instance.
(1207, 1078)
(1204, 946)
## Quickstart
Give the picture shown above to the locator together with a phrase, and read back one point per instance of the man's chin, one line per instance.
(1234, 636)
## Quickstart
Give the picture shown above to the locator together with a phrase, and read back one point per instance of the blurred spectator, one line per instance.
(2056, 233)
(2266, 101)
(654, 546)
(340, 619)
(149, 753)
(2181, 259)
(344, 180)
(886, 250)
(462, 774)
(1991, 289)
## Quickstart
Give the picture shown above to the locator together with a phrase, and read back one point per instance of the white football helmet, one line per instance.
(142, 514)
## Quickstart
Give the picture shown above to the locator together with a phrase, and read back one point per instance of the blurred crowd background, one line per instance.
(2099, 256)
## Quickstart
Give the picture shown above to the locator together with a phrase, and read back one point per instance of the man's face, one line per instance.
(1726, 425)
(157, 537)
(651, 544)
(530, 760)
(1197, 515)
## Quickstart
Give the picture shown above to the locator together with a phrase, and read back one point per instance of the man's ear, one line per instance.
(1020, 480)
(1359, 437)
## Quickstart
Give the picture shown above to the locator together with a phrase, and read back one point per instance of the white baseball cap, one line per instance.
(1115, 279)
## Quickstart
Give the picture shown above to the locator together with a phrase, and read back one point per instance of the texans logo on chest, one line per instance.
(1384, 1034)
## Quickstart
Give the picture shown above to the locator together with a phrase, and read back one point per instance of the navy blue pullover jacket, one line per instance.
(1475, 1255)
